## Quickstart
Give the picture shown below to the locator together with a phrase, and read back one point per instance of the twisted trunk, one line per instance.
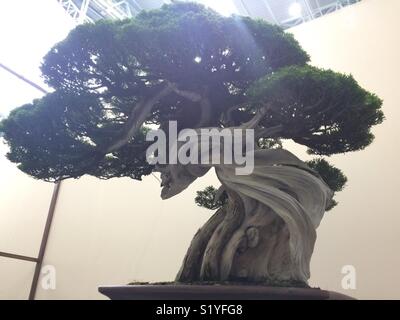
(266, 231)
(243, 241)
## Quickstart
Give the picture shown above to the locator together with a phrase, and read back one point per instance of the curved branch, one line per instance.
(227, 117)
(190, 95)
(137, 117)
(205, 104)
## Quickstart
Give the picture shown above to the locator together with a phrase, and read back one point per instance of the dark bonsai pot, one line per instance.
(216, 292)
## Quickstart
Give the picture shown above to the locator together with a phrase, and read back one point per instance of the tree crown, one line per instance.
(181, 62)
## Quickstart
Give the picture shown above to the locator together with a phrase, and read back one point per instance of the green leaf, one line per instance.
(206, 198)
(321, 109)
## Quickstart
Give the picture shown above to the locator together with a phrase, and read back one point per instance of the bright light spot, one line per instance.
(197, 59)
(295, 10)
(224, 7)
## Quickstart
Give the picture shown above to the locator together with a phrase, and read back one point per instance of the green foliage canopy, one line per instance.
(182, 62)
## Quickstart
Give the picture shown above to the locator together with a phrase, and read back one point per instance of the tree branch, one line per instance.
(137, 117)
(205, 104)
(253, 123)
(190, 95)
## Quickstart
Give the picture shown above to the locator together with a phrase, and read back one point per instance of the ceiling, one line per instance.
(286, 13)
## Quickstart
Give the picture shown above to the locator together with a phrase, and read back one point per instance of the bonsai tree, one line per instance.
(188, 64)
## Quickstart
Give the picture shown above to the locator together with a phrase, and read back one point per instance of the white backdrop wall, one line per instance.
(117, 231)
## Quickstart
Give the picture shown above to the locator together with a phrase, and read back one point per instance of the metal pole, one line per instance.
(17, 256)
(23, 79)
(43, 244)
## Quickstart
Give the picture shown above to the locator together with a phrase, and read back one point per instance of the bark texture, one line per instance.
(233, 246)
(266, 232)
